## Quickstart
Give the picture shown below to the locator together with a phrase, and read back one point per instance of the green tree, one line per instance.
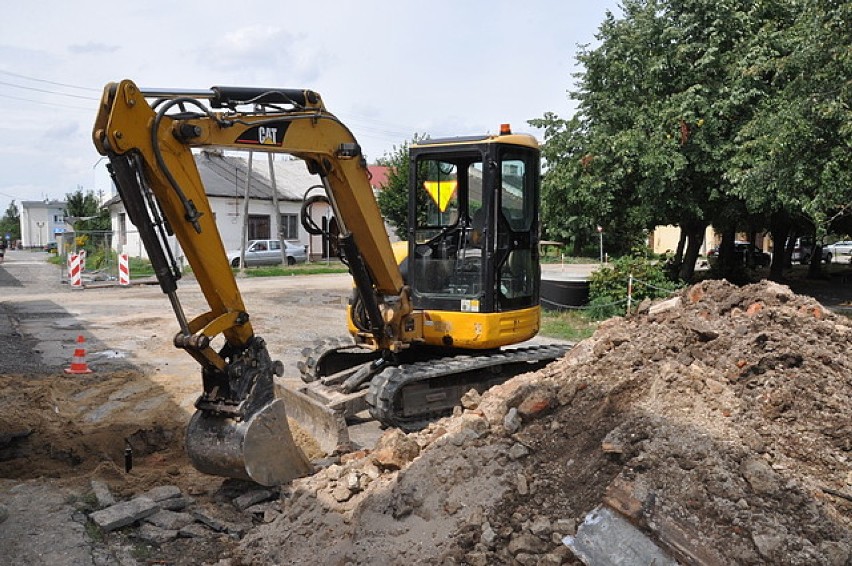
(393, 198)
(11, 223)
(661, 101)
(795, 156)
(86, 207)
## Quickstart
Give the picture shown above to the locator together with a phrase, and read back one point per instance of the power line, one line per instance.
(13, 85)
(56, 105)
(25, 77)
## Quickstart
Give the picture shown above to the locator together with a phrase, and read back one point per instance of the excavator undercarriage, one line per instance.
(417, 387)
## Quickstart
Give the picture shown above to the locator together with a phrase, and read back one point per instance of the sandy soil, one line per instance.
(58, 432)
(724, 416)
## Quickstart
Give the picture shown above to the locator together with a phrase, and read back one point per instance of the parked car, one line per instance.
(804, 249)
(269, 252)
(741, 249)
(50, 247)
(838, 252)
(295, 252)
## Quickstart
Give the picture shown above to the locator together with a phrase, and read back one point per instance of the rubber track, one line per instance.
(387, 386)
(311, 357)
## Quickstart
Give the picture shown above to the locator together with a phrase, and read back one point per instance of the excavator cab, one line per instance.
(473, 245)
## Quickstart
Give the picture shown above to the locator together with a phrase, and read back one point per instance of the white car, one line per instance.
(838, 252)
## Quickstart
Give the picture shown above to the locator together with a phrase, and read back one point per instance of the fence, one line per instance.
(627, 301)
(99, 261)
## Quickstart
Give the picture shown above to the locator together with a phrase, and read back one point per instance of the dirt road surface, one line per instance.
(727, 411)
(58, 432)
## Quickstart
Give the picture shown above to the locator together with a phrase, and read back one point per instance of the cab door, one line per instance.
(516, 258)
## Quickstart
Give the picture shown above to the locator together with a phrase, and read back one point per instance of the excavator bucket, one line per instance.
(321, 417)
(259, 448)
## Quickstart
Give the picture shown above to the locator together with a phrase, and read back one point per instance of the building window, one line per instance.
(258, 227)
(289, 227)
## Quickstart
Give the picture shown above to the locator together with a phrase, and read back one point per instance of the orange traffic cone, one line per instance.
(78, 364)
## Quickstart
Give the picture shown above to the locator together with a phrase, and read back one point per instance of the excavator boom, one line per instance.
(240, 429)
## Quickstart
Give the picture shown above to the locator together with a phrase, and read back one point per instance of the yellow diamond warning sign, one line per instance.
(441, 192)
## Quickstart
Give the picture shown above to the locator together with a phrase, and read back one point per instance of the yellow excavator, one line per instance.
(429, 316)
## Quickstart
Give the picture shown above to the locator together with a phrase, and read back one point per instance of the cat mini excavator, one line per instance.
(428, 316)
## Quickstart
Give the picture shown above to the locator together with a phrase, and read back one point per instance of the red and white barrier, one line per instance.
(123, 270)
(75, 272)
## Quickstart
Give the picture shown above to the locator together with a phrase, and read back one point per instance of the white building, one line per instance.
(224, 178)
(41, 222)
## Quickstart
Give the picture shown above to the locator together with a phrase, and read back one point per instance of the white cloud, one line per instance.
(388, 69)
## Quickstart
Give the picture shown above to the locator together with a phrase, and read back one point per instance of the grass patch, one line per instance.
(567, 325)
(568, 259)
(302, 269)
(94, 532)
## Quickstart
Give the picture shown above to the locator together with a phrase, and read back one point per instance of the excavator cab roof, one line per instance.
(514, 139)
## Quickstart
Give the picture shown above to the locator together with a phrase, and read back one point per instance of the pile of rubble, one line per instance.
(715, 425)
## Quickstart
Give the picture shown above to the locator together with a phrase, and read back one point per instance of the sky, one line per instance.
(387, 68)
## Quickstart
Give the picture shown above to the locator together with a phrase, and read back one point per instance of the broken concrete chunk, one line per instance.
(760, 476)
(155, 534)
(195, 530)
(522, 484)
(526, 543)
(471, 399)
(169, 520)
(252, 497)
(124, 513)
(394, 450)
(102, 494)
(176, 503)
(219, 525)
(211, 521)
(541, 528)
(341, 493)
(665, 306)
(606, 539)
(512, 421)
(163, 492)
(518, 451)
(489, 537)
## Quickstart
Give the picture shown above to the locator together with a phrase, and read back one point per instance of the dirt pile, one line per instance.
(717, 421)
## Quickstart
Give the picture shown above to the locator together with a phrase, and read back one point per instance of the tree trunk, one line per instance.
(815, 267)
(695, 237)
(728, 264)
(780, 230)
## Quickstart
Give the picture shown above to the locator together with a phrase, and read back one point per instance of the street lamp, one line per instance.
(40, 225)
(600, 235)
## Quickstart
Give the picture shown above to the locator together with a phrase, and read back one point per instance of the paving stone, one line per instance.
(155, 534)
(176, 503)
(252, 497)
(195, 530)
(170, 520)
(163, 492)
(124, 513)
(205, 518)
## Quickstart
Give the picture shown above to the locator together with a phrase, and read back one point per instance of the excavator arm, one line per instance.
(148, 137)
